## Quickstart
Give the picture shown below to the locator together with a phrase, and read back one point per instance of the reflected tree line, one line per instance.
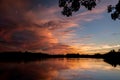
(70, 6)
(112, 57)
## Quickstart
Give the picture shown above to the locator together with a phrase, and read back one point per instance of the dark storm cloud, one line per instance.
(13, 32)
(26, 36)
(21, 30)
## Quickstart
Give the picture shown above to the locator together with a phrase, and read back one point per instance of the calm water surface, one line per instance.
(60, 69)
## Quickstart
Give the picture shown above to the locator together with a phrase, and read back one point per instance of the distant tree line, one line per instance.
(112, 57)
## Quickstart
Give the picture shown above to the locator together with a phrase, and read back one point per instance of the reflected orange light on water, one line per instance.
(58, 69)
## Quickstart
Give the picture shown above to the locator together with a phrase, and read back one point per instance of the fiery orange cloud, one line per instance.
(22, 31)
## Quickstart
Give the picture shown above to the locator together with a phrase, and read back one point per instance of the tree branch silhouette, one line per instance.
(115, 11)
(70, 6)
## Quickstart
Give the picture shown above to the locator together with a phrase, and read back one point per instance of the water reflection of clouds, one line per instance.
(26, 72)
(57, 69)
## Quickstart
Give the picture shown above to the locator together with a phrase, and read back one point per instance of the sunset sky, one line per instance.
(39, 26)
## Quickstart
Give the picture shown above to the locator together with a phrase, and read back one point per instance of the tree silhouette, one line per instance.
(70, 6)
(118, 50)
(115, 11)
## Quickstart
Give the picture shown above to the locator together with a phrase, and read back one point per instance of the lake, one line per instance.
(60, 69)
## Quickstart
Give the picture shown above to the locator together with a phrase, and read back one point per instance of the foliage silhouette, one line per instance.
(70, 6)
(112, 57)
(115, 11)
